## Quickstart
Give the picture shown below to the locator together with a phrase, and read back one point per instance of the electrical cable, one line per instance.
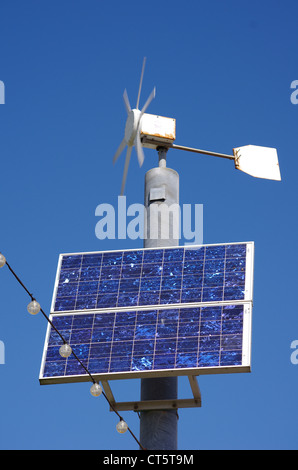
(72, 352)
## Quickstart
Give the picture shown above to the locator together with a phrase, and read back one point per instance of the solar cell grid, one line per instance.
(151, 277)
(138, 341)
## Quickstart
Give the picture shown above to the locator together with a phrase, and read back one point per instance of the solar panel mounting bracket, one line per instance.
(195, 402)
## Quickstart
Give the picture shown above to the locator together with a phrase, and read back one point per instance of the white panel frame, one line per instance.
(56, 282)
(247, 335)
(249, 271)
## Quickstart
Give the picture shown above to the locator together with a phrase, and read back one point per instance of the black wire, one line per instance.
(73, 353)
(19, 280)
(32, 298)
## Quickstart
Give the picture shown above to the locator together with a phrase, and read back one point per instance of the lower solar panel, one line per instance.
(153, 342)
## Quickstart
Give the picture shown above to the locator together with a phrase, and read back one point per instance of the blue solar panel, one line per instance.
(136, 278)
(143, 312)
(140, 341)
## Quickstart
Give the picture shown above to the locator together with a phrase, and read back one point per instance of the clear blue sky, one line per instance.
(223, 70)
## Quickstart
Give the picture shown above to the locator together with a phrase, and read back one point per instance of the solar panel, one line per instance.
(135, 278)
(163, 311)
(173, 341)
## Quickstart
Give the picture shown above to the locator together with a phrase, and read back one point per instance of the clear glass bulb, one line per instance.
(33, 307)
(122, 427)
(65, 350)
(96, 390)
(2, 260)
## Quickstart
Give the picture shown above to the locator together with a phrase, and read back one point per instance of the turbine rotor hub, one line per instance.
(131, 126)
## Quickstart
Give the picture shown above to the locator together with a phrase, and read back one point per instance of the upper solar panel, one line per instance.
(154, 277)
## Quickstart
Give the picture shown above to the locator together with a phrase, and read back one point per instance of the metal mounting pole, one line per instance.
(158, 428)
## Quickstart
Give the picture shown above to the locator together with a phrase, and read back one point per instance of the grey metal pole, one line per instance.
(158, 428)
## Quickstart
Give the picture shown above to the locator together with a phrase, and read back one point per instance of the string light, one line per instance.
(122, 427)
(96, 390)
(33, 307)
(2, 260)
(65, 351)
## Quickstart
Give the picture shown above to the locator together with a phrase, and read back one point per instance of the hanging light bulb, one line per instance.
(122, 426)
(2, 260)
(65, 350)
(33, 307)
(96, 390)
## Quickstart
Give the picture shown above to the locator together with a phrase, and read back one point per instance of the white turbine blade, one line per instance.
(126, 101)
(119, 151)
(151, 96)
(139, 149)
(127, 159)
(141, 80)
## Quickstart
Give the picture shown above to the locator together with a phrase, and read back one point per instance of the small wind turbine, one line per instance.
(132, 129)
(146, 130)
